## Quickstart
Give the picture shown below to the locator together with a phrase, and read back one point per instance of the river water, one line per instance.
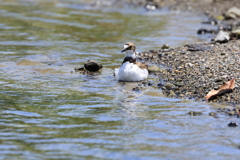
(47, 112)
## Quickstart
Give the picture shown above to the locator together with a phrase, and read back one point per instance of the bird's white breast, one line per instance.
(130, 72)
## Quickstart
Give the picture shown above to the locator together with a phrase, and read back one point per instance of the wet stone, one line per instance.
(79, 69)
(89, 68)
(92, 66)
(194, 113)
(160, 85)
(231, 113)
(232, 124)
(136, 89)
(179, 84)
(212, 114)
(165, 46)
(150, 84)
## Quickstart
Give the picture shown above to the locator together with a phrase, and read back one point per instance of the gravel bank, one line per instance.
(193, 70)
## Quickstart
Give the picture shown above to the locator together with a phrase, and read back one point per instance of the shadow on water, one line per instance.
(47, 112)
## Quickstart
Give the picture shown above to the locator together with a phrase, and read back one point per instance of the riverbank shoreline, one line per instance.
(193, 70)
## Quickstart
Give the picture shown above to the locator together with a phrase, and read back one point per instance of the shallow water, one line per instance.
(47, 112)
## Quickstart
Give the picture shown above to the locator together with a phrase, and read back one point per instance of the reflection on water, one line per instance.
(49, 113)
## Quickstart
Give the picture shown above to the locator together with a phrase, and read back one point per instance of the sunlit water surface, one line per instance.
(47, 112)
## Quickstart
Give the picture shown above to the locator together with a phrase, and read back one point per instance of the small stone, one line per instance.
(150, 84)
(202, 31)
(232, 124)
(194, 113)
(218, 80)
(212, 114)
(154, 68)
(190, 64)
(79, 69)
(220, 17)
(231, 113)
(136, 89)
(171, 94)
(179, 84)
(165, 46)
(160, 85)
(223, 53)
(181, 95)
(169, 86)
(151, 6)
(144, 82)
(179, 80)
(222, 37)
(188, 93)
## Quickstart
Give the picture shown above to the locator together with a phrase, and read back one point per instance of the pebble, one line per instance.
(194, 113)
(169, 86)
(212, 114)
(165, 46)
(222, 37)
(154, 68)
(171, 94)
(231, 113)
(232, 124)
(136, 89)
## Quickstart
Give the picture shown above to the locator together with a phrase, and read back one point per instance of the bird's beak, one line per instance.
(125, 48)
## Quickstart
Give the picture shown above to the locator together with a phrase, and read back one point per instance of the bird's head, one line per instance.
(129, 49)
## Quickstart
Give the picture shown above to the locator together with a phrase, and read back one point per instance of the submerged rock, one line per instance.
(26, 62)
(92, 66)
(232, 124)
(205, 31)
(212, 114)
(194, 113)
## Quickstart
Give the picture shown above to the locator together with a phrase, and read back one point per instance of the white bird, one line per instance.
(131, 70)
